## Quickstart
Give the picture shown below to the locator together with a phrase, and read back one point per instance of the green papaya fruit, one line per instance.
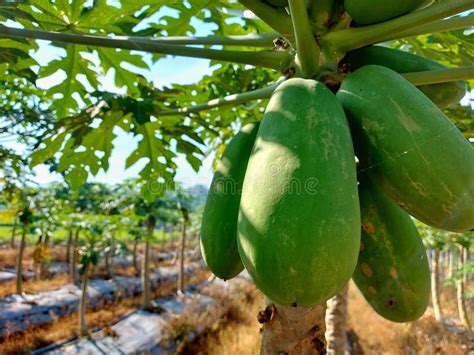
(443, 94)
(367, 12)
(299, 222)
(219, 222)
(410, 148)
(392, 270)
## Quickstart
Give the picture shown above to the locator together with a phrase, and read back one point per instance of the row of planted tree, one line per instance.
(97, 223)
(100, 222)
(451, 264)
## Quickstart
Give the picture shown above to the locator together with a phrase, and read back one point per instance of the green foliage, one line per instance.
(84, 66)
(25, 216)
(86, 117)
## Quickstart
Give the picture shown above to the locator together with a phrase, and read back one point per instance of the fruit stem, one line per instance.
(278, 60)
(233, 100)
(339, 42)
(320, 13)
(277, 19)
(440, 75)
(451, 24)
(306, 47)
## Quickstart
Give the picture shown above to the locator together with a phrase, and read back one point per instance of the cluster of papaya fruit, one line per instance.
(291, 202)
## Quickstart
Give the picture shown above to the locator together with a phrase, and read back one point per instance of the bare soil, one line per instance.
(66, 327)
(368, 332)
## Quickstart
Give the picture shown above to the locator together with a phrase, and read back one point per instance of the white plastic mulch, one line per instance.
(146, 333)
(19, 312)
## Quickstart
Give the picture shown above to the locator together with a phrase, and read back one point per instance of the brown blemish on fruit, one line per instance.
(390, 303)
(368, 228)
(393, 273)
(367, 270)
(372, 290)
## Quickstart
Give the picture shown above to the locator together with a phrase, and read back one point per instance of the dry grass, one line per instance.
(8, 255)
(235, 332)
(238, 333)
(33, 285)
(424, 336)
(66, 327)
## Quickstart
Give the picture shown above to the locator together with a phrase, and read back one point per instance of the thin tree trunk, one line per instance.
(182, 249)
(435, 286)
(450, 264)
(47, 239)
(19, 263)
(43, 253)
(83, 302)
(135, 261)
(460, 291)
(12, 240)
(146, 266)
(146, 277)
(68, 245)
(293, 330)
(336, 318)
(42, 265)
(72, 261)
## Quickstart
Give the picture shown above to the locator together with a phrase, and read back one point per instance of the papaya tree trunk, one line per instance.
(72, 260)
(83, 302)
(146, 277)
(12, 240)
(47, 239)
(42, 265)
(293, 330)
(146, 265)
(19, 262)
(460, 282)
(336, 319)
(43, 245)
(69, 245)
(181, 276)
(435, 286)
(135, 261)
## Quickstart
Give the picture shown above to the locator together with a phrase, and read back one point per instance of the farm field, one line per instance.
(237, 177)
(236, 330)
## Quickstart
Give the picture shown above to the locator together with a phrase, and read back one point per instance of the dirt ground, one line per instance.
(369, 333)
(238, 331)
(67, 327)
